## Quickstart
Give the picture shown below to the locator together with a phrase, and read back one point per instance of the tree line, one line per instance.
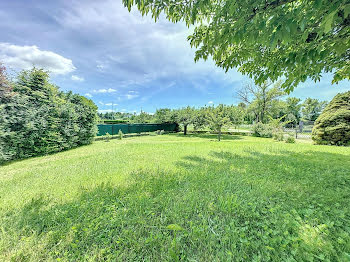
(258, 104)
(37, 118)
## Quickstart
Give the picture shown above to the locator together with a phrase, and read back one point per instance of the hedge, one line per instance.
(36, 118)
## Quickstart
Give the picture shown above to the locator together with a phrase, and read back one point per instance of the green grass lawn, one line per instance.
(241, 199)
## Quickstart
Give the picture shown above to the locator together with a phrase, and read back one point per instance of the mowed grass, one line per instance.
(241, 199)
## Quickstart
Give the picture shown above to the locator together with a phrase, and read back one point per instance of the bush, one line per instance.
(161, 132)
(333, 125)
(278, 136)
(262, 130)
(290, 139)
(36, 118)
(117, 121)
(120, 134)
(107, 137)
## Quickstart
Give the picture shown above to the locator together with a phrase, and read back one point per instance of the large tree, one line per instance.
(265, 39)
(293, 110)
(312, 108)
(262, 100)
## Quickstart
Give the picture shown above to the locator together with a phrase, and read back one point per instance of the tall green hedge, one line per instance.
(333, 125)
(36, 118)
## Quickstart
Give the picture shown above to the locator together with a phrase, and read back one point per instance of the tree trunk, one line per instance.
(219, 135)
(185, 129)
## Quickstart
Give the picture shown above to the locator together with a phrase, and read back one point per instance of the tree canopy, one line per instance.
(265, 39)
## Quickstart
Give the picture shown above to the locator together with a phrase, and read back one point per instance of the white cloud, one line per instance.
(132, 94)
(77, 78)
(110, 104)
(109, 90)
(88, 95)
(210, 102)
(25, 57)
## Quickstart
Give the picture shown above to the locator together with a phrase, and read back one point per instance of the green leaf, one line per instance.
(328, 22)
(346, 11)
(302, 25)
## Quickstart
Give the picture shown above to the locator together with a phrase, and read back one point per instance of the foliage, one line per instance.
(333, 125)
(261, 99)
(115, 116)
(115, 201)
(277, 128)
(261, 103)
(312, 108)
(162, 115)
(265, 39)
(107, 137)
(262, 130)
(185, 117)
(143, 117)
(278, 135)
(290, 139)
(199, 118)
(236, 115)
(217, 117)
(118, 121)
(36, 118)
(293, 108)
(120, 134)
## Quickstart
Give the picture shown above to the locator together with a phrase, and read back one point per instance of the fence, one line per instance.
(303, 130)
(135, 128)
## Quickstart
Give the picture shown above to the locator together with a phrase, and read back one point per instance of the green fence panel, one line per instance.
(134, 128)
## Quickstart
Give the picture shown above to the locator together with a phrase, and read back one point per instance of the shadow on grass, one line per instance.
(254, 206)
(9, 162)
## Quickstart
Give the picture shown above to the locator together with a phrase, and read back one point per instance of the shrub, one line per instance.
(262, 130)
(278, 136)
(290, 139)
(161, 132)
(117, 121)
(107, 137)
(333, 125)
(120, 134)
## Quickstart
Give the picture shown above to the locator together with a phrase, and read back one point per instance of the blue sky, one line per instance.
(100, 50)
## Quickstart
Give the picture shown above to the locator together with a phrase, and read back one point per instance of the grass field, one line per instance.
(170, 197)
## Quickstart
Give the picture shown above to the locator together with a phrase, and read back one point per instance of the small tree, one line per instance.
(185, 117)
(218, 117)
